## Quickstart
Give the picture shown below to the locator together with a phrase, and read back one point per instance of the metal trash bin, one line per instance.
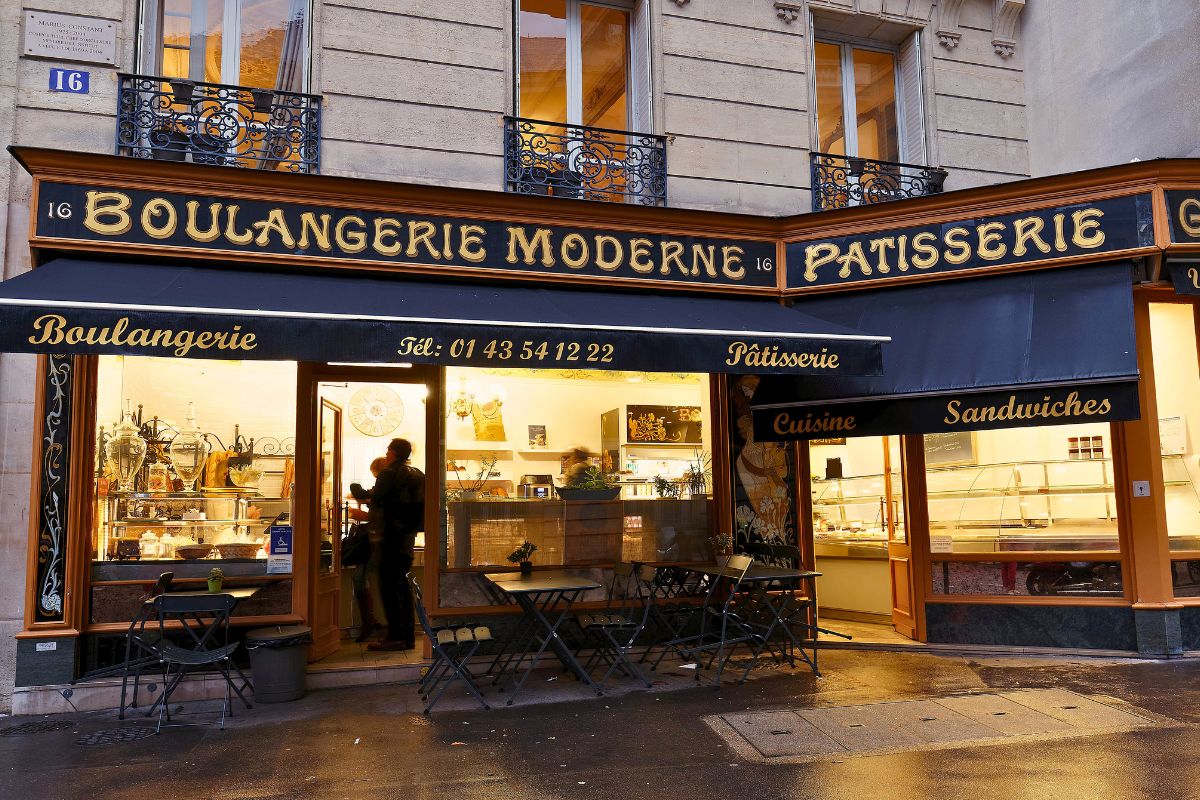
(277, 662)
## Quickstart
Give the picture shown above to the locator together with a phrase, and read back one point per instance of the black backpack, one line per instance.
(356, 546)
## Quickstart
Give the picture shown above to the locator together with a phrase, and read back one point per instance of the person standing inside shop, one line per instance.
(397, 513)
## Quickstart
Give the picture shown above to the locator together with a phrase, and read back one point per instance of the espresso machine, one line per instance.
(536, 487)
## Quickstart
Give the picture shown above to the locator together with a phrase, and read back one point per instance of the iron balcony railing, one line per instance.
(211, 123)
(844, 181)
(554, 158)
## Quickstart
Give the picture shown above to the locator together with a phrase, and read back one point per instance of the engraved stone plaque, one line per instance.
(69, 38)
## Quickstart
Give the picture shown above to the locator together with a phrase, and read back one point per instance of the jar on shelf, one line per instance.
(125, 450)
(189, 451)
(158, 478)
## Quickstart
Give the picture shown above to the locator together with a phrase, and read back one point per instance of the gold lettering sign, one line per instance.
(1189, 216)
(251, 226)
(54, 329)
(743, 354)
(958, 412)
(785, 424)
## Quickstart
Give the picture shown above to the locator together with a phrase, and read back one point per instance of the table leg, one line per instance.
(536, 610)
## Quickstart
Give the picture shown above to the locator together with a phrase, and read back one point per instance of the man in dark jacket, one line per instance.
(397, 514)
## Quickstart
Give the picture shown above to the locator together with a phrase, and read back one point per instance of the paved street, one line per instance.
(658, 744)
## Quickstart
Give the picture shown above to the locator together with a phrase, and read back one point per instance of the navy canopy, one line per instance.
(76, 306)
(1038, 348)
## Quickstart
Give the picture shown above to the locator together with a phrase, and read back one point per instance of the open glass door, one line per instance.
(327, 573)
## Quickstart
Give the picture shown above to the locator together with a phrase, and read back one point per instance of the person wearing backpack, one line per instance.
(397, 514)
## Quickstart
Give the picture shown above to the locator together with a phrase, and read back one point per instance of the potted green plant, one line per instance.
(522, 556)
(216, 579)
(591, 484)
(666, 488)
(698, 474)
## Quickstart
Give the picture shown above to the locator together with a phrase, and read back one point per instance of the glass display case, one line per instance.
(1051, 505)
(1183, 503)
(850, 516)
(165, 526)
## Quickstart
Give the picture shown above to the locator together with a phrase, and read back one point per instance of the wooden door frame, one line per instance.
(306, 493)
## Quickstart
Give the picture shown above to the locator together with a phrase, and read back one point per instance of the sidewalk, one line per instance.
(560, 741)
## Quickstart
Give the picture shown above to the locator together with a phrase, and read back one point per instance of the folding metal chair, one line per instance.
(676, 594)
(204, 629)
(722, 629)
(615, 630)
(452, 648)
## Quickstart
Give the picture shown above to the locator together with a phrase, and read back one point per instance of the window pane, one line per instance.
(1031, 579)
(162, 505)
(639, 442)
(831, 112)
(1177, 388)
(1022, 489)
(274, 44)
(213, 25)
(604, 42)
(875, 101)
(543, 60)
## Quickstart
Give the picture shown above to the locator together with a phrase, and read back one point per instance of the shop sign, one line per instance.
(1063, 405)
(249, 230)
(69, 38)
(279, 559)
(992, 243)
(1184, 209)
(185, 334)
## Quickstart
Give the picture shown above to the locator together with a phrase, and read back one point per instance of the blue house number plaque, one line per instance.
(69, 80)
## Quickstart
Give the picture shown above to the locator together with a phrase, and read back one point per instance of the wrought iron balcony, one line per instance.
(844, 181)
(585, 163)
(211, 123)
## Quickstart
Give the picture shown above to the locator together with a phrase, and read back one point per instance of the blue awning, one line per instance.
(1038, 348)
(78, 306)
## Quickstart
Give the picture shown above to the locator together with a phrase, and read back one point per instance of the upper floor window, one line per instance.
(583, 63)
(857, 108)
(253, 43)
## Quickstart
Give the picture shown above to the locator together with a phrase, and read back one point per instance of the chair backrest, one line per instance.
(736, 565)
(787, 555)
(419, 606)
(163, 584)
(760, 551)
(215, 604)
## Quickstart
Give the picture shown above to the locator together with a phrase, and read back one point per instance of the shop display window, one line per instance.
(590, 467)
(1022, 490)
(1029, 579)
(1177, 389)
(195, 462)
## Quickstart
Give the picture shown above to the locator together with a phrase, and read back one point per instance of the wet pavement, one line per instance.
(558, 743)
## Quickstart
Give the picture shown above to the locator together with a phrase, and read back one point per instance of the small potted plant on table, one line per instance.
(522, 555)
(591, 484)
(216, 579)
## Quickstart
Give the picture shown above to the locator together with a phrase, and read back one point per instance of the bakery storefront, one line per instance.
(952, 406)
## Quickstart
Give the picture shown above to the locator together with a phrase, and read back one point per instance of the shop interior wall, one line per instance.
(570, 409)
(1177, 392)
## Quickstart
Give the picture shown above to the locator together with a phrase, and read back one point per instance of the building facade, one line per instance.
(741, 121)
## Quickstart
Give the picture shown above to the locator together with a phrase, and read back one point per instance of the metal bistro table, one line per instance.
(545, 598)
(772, 609)
(199, 630)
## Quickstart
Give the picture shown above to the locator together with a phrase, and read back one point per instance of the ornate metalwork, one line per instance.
(844, 181)
(585, 163)
(211, 123)
(52, 493)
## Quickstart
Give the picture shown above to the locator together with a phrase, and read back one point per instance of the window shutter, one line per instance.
(640, 86)
(912, 102)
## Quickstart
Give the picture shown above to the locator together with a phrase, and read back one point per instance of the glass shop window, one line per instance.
(584, 63)
(1022, 490)
(857, 106)
(195, 459)
(260, 44)
(1177, 388)
(589, 467)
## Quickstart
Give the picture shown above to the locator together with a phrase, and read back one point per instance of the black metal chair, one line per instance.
(204, 630)
(452, 648)
(722, 627)
(677, 594)
(615, 630)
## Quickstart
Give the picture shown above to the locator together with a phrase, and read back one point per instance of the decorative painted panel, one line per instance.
(53, 488)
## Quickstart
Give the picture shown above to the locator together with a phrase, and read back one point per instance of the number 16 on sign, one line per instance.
(69, 80)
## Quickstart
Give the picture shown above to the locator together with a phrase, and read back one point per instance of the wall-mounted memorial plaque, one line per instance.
(68, 37)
